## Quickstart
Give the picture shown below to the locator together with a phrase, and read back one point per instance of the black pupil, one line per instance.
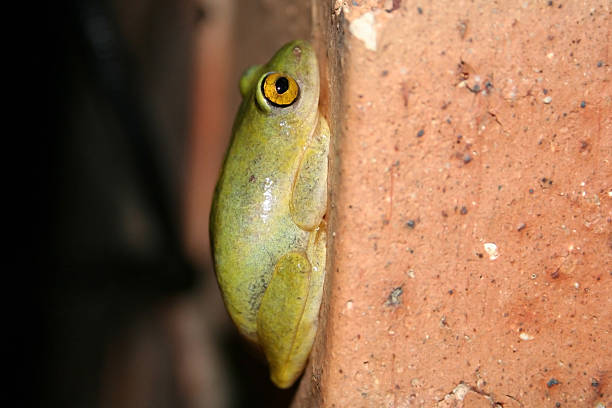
(282, 84)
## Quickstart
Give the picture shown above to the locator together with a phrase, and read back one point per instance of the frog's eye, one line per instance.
(280, 90)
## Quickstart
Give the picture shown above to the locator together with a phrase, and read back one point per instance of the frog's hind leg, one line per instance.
(284, 326)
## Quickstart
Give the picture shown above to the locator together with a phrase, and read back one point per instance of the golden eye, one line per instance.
(280, 90)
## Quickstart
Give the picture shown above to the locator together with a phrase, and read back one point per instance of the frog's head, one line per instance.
(290, 81)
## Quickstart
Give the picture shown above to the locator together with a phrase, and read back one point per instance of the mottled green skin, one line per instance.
(267, 227)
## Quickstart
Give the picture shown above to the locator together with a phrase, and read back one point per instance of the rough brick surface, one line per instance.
(471, 205)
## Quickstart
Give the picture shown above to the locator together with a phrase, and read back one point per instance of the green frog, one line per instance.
(267, 222)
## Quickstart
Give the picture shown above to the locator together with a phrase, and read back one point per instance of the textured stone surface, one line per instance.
(471, 205)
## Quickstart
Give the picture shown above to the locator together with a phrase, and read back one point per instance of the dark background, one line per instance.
(131, 317)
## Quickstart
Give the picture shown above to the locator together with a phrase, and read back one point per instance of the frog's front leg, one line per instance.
(284, 330)
(309, 195)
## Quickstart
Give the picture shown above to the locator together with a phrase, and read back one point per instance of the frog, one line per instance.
(268, 226)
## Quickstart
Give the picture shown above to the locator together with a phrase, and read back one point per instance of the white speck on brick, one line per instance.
(491, 249)
(363, 28)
